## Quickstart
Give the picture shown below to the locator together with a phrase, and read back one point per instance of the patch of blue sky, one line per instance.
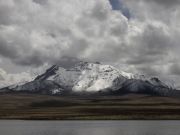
(118, 5)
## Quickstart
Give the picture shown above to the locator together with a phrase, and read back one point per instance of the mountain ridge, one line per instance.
(86, 77)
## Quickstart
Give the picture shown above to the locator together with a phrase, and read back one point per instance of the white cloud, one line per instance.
(10, 79)
(39, 33)
(34, 32)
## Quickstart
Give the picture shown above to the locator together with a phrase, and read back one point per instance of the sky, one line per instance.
(137, 36)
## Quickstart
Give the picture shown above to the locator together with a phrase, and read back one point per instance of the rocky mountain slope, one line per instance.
(87, 77)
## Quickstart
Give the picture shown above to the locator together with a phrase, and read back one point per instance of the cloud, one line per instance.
(10, 79)
(154, 10)
(36, 32)
(41, 2)
(166, 3)
(118, 5)
(151, 45)
(175, 69)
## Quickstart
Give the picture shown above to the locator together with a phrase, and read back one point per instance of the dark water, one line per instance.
(89, 127)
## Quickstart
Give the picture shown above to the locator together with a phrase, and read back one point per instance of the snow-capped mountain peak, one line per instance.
(88, 77)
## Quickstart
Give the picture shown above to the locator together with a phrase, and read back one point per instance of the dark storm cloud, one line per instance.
(5, 18)
(147, 70)
(175, 69)
(7, 51)
(41, 2)
(35, 59)
(143, 59)
(67, 62)
(166, 3)
(151, 46)
(153, 41)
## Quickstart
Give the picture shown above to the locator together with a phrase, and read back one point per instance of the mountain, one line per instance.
(87, 77)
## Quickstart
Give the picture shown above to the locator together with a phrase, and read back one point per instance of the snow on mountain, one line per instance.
(87, 77)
